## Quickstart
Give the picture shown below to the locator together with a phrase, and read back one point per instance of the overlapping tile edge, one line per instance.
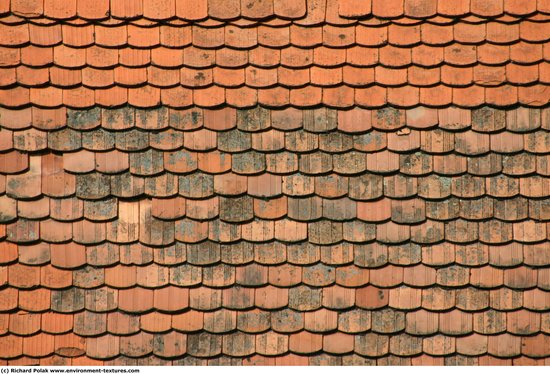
(376, 209)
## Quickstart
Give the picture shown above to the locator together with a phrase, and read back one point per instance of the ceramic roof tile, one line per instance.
(251, 205)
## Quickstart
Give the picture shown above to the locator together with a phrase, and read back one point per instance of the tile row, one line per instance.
(416, 259)
(10, 18)
(505, 214)
(274, 345)
(432, 8)
(341, 97)
(322, 223)
(221, 151)
(283, 78)
(191, 10)
(31, 176)
(491, 34)
(454, 324)
(305, 12)
(459, 175)
(273, 284)
(314, 122)
(285, 360)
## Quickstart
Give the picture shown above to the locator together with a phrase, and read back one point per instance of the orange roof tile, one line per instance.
(274, 182)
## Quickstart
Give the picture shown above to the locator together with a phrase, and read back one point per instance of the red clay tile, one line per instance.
(14, 35)
(12, 346)
(504, 345)
(135, 299)
(270, 297)
(209, 97)
(69, 345)
(110, 36)
(534, 346)
(273, 97)
(420, 8)
(521, 277)
(4, 8)
(438, 299)
(502, 33)
(289, 9)
(433, 34)
(35, 56)
(23, 323)
(56, 323)
(439, 345)
(493, 54)
(523, 322)
(469, 33)
(52, 277)
(392, 9)
(505, 299)
(520, 7)
(336, 297)
(27, 8)
(228, 77)
(9, 77)
(204, 345)
(121, 323)
(523, 52)
(34, 254)
(22, 276)
(127, 9)
(38, 345)
(238, 344)
(136, 345)
(305, 342)
(528, 32)
(155, 322)
(267, 57)
(402, 35)
(90, 9)
(104, 347)
(224, 10)
(12, 252)
(353, 8)
(9, 299)
(114, 96)
(120, 276)
(78, 36)
(338, 97)
(486, 8)
(152, 276)
(176, 342)
(159, 10)
(422, 322)
(241, 97)
(192, 10)
(163, 77)
(276, 37)
(15, 97)
(371, 344)
(90, 324)
(144, 97)
(237, 37)
(321, 320)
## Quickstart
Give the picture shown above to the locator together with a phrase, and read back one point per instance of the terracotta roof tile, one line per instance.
(532, 346)
(279, 199)
(56, 323)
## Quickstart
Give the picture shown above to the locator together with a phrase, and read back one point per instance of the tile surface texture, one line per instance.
(274, 182)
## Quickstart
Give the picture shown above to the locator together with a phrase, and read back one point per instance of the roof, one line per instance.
(274, 53)
(274, 182)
